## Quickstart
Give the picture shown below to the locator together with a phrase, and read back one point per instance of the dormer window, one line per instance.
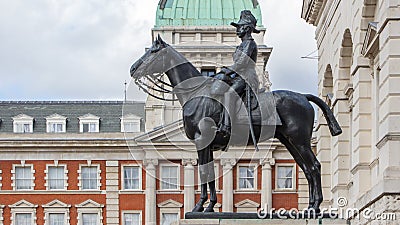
(56, 124)
(23, 124)
(89, 123)
(130, 123)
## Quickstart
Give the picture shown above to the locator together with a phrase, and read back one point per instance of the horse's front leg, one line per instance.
(203, 139)
(213, 192)
(203, 180)
(203, 197)
(211, 181)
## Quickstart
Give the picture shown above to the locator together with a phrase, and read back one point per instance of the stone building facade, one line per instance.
(358, 71)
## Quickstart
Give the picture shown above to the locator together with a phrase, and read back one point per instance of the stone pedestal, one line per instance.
(261, 222)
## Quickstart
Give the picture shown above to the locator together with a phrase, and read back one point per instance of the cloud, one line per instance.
(291, 38)
(65, 50)
(70, 49)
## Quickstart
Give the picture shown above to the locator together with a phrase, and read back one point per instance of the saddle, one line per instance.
(263, 109)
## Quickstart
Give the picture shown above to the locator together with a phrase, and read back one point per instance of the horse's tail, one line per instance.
(333, 124)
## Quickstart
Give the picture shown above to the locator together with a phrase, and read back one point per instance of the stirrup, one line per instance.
(224, 130)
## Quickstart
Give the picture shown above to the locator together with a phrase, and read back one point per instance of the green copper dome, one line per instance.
(204, 12)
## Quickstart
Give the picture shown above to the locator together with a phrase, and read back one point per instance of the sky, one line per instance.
(82, 50)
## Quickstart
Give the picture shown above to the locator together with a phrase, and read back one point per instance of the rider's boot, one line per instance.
(225, 126)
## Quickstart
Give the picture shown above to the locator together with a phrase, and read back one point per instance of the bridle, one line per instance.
(154, 83)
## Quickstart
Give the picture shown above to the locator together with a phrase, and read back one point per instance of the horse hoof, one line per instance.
(198, 208)
(314, 209)
(209, 209)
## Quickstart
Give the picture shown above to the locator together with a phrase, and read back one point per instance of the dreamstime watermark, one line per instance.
(332, 213)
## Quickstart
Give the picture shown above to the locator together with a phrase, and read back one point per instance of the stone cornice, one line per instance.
(57, 144)
(388, 137)
(202, 29)
(326, 18)
(311, 10)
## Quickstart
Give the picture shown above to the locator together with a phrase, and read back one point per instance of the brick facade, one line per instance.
(128, 200)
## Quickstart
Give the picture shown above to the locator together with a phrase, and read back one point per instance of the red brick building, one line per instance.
(102, 176)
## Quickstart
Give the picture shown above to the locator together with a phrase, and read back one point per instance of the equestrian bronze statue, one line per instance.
(209, 105)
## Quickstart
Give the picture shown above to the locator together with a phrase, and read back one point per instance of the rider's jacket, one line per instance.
(245, 58)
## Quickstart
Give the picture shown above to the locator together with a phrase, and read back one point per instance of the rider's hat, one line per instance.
(246, 18)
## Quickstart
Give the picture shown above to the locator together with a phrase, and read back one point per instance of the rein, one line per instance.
(156, 85)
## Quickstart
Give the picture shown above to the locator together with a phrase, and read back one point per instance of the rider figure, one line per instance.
(243, 71)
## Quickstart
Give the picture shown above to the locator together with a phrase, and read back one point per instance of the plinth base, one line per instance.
(232, 215)
(226, 218)
(262, 222)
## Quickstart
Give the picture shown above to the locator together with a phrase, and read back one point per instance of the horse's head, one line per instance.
(152, 61)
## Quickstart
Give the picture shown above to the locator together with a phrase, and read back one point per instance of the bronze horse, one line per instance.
(294, 110)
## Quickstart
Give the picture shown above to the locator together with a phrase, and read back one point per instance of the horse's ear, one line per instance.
(162, 41)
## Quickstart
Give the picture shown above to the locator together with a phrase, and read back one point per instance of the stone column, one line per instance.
(112, 196)
(189, 183)
(150, 208)
(389, 116)
(266, 183)
(227, 192)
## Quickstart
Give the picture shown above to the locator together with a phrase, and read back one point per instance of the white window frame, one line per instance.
(80, 183)
(170, 206)
(162, 166)
(14, 177)
(238, 176)
(130, 118)
(58, 207)
(90, 206)
(23, 206)
(89, 119)
(22, 119)
(56, 119)
(123, 178)
(277, 165)
(247, 206)
(47, 178)
(131, 212)
(216, 169)
(171, 211)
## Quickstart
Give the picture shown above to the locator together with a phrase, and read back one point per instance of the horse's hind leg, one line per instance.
(302, 164)
(315, 169)
(316, 175)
